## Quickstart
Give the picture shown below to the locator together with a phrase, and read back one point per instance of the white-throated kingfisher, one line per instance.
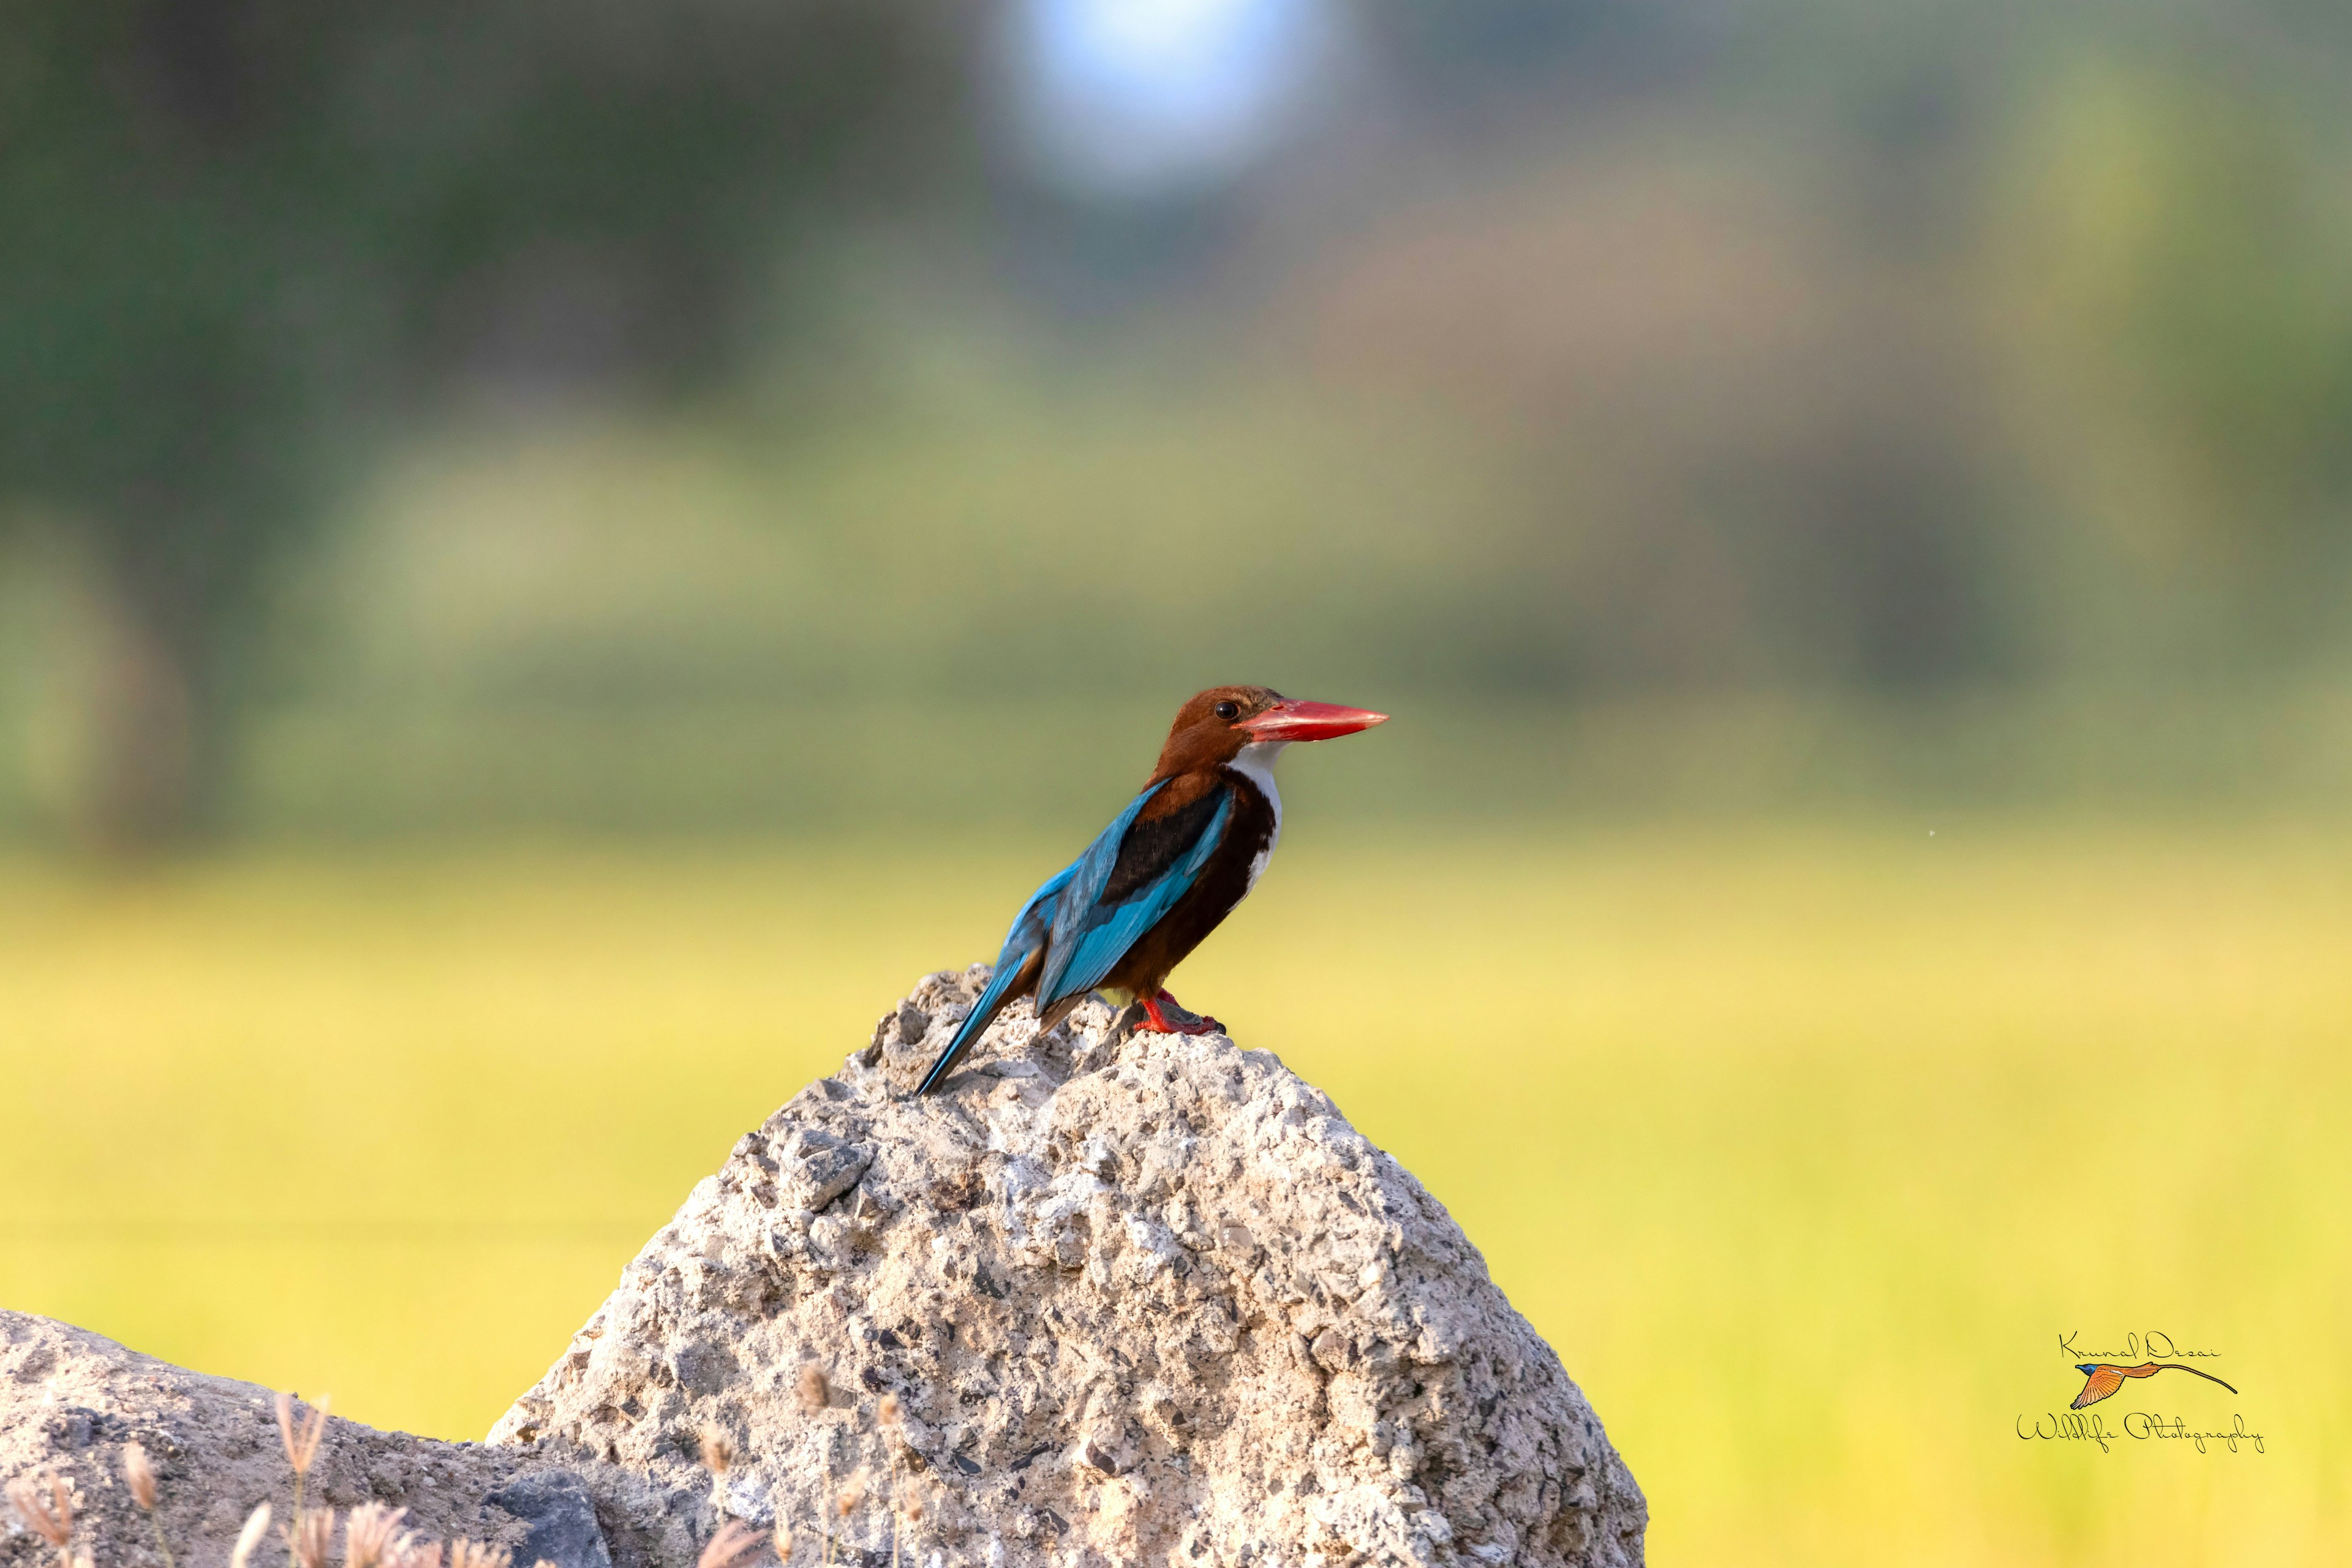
(1163, 874)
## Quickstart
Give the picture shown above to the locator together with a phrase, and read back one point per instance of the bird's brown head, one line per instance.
(1214, 725)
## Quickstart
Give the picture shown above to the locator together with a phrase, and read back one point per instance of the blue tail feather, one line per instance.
(975, 1023)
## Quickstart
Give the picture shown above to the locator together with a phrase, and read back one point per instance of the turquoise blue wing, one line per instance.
(1083, 883)
(1088, 938)
(1032, 927)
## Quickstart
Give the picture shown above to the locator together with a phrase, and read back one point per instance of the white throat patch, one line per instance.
(1255, 764)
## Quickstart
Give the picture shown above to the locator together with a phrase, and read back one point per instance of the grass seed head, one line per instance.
(140, 1472)
(887, 1411)
(735, 1542)
(853, 1492)
(45, 1502)
(256, 1525)
(784, 1541)
(302, 1444)
(718, 1449)
(466, 1553)
(370, 1535)
(814, 1392)
(310, 1535)
(410, 1553)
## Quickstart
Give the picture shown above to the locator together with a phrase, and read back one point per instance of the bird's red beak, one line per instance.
(1288, 720)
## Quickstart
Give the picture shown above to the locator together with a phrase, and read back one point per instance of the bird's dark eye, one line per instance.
(1229, 710)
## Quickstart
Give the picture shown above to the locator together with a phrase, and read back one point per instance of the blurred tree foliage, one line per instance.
(2178, 262)
(244, 236)
(1565, 355)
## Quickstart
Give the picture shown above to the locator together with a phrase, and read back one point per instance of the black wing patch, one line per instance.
(1153, 845)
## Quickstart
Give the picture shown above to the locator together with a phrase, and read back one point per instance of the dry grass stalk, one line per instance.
(718, 1455)
(410, 1553)
(309, 1537)
(140, 1472)
(301, 1447)
(891, 1417)
(301, 1444)
(734, 1543)
(814, 1392)
(45, 1502)
(839, 1506)
(909, 1522)
(370, 1534)
(824, 1510)
(256, 1525)
(465, 1553)
(852, 1494)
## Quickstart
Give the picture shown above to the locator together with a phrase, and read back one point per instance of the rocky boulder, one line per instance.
(70, 1402)
(1112, 1297)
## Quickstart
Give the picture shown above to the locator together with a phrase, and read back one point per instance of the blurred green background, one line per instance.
(553, 559)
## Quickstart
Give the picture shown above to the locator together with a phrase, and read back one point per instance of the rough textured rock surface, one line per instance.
(1139, 1298)
(69, 1401)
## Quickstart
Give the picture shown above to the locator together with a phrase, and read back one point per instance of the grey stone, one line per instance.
(1136, 1298)
(1125, 1298)
(70, 1400)
(563, 1520)
(819, 1167)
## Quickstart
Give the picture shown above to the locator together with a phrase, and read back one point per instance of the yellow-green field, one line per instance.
(1802, 1145)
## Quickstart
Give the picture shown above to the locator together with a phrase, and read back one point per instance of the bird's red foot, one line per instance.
(1159, 1022)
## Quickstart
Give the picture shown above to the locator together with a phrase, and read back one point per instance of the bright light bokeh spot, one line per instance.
(1130, 97)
